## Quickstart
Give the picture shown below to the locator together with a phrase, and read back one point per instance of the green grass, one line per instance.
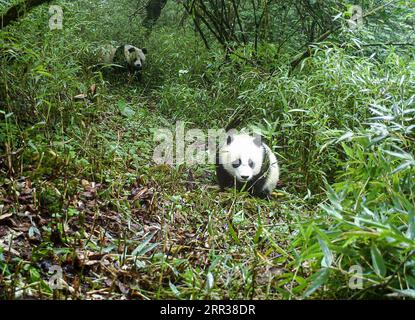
(79, 188)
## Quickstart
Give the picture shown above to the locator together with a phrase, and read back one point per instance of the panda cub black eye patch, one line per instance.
(251, 163)
(236, 163)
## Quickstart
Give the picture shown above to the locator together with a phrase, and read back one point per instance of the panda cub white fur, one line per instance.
(125, 56)
(245, 162)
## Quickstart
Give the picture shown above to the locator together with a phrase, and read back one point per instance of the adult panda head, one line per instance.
(245, 162)
(134, 57)
(125, 57)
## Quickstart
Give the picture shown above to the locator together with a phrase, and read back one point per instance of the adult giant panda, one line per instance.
(245, 162)
(125, 57)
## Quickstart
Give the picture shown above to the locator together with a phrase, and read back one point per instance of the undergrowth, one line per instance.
(79, 189)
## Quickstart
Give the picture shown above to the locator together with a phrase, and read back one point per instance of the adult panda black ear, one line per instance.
(144, 50)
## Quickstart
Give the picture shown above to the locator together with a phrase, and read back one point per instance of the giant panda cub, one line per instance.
(245, 162)
(125, 57)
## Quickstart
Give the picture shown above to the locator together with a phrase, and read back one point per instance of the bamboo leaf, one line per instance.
(319, 279)
(377, 261)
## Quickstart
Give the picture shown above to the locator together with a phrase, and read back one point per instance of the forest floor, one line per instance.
(86, 212)
(142, 230)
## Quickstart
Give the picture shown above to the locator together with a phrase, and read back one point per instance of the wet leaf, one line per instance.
(377, 261)
(319, 279)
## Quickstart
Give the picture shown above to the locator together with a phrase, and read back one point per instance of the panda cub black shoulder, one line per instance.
(125, 57)
(245, 162)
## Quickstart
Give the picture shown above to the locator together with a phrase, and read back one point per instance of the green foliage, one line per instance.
(78, 176)
(372, 204)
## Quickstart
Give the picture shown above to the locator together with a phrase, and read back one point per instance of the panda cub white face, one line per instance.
(246, 163)
(242, 156)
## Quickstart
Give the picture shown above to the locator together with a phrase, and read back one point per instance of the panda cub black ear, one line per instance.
(144, 50)
(258, 140)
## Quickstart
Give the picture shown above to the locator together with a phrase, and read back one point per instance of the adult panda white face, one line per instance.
(135, 57)
(242, 156)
